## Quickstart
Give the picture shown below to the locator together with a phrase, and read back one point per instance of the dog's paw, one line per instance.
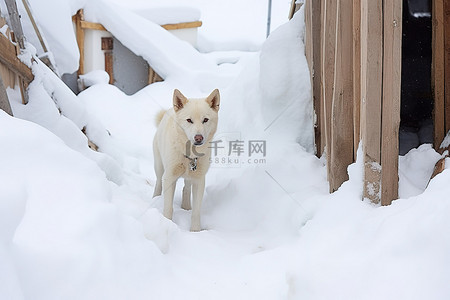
(195, 228)
(186, 206)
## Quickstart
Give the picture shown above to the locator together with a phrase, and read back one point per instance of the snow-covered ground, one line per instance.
(79, 224)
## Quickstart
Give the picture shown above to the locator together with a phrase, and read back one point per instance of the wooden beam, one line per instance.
(371, 87)
(341, 146)
(108, 46)
(79, 18)
(91, 25)
(322, 123)
(182, 25)
(4, 101)
(316, 72)
(438, 72)
(14, 19)
(153, 76)
(9, 58)
(109, 65)
(447, 63)
(35, 26)
(98, 26)
(392, 65)
(356, 75)
(291, 9)
(308, 38)
(328, 57)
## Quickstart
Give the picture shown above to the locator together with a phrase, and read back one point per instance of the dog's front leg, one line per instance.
(186, 200)
(198, 188)
(168, 185)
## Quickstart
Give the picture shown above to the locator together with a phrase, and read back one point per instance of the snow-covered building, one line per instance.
(100, 49)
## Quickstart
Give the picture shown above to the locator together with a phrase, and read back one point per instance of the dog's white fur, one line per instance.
(178, 129)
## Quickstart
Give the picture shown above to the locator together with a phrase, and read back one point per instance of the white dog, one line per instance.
(181, 149)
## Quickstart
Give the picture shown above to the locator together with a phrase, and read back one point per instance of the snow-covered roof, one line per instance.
(169, 14)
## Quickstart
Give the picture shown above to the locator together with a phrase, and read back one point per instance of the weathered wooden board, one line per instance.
(328, 65)
(437, 72)
(356, 75)
(14, 19)
(79, 17)
(109, 68)
(392, 63)
(371, 87)
(184, 25)
(342, 102)
(9, 58)
(4, 101)
(447, 63)
(317, 50)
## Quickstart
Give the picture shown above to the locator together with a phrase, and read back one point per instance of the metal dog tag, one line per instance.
(193, 164)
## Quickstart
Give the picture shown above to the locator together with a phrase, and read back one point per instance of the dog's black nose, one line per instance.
(198, 138)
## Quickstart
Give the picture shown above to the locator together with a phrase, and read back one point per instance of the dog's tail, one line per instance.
(159, 117)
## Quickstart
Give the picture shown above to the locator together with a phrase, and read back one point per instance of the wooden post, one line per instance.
(153, 76)
(35, 26)
(316, 73)
(322, 113)
(328, 57)
(79, 17)
(309, 53)
(107, 46)
(356, 75)
(392, 64)
(4, 101)
(14, 19)
(9, 58)
(371, 87)
(447, 63)
(45, 57)
(341, 147)
(438, 72)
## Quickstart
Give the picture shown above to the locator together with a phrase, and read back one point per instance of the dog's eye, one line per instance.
(189, 121)
(205, 120)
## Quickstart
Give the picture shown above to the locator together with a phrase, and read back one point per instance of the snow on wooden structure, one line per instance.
(13, 72)
(100, 50)
(354, 51)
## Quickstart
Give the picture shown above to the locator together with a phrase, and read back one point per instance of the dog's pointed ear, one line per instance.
(213, 100)
(179, 100)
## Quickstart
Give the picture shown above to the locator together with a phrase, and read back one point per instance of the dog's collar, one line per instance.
(192, 163)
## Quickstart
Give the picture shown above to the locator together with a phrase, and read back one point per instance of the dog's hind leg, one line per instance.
(159, 170)
(186, 200)
(198, 188)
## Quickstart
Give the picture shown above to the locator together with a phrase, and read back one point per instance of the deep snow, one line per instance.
(79, 224)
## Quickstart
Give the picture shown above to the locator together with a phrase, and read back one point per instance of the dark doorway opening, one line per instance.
(416, 125)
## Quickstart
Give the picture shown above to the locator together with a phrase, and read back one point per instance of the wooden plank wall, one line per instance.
(359, 53)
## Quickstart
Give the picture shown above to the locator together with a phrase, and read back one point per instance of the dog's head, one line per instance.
(197, 117)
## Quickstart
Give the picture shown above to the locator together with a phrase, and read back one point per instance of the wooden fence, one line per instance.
(354, 51)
